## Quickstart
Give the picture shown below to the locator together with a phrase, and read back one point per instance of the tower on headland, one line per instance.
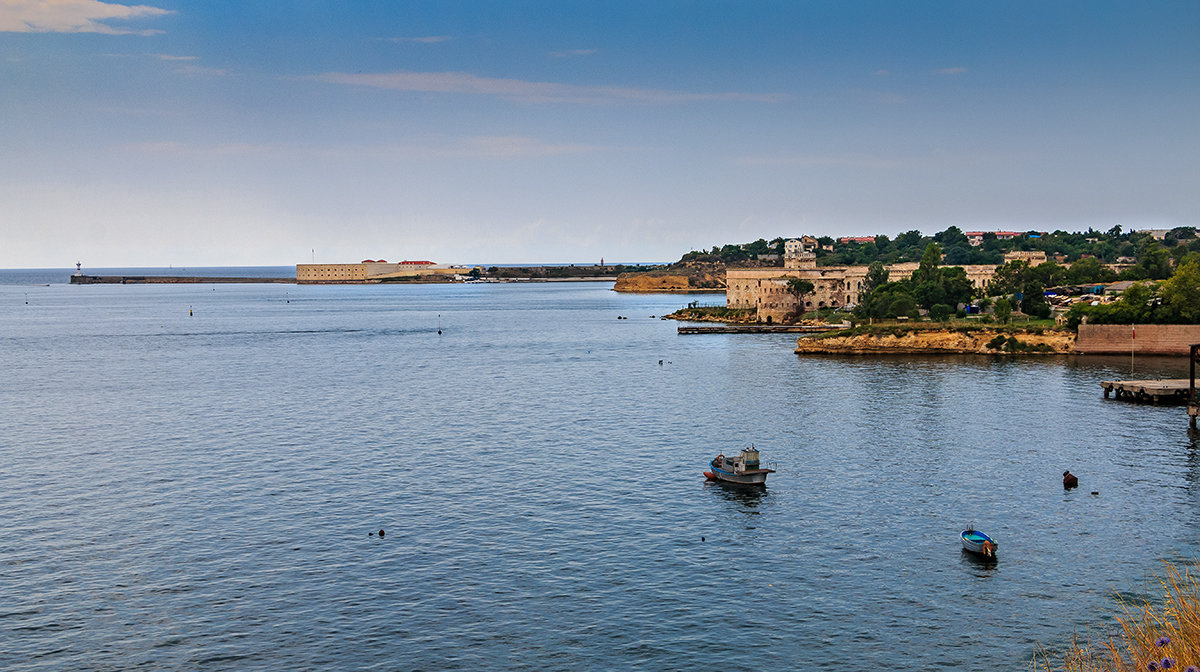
(79, 268)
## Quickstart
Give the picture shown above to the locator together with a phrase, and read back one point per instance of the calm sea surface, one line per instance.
(195, 492)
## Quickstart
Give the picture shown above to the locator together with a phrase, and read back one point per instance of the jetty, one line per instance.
(762, 329)
(1167, 390)
(1170, 390)
(168, 280)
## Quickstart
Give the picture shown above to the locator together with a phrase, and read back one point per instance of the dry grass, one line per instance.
(1153, 636)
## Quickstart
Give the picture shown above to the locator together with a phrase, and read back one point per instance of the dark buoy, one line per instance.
(1070, 480)
(189, 311)
(1095, 492)
(701, 538)
(381, 533)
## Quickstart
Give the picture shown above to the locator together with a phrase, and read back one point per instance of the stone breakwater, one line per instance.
(939, 341)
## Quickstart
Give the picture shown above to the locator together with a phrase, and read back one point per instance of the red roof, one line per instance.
(416, 263)
(857, 239)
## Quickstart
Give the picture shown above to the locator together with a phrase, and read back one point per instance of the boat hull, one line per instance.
(756, 477)
(978, 542)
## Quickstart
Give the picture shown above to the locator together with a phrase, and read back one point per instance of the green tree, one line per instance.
(903, 304)
(877, 276)
(1049, 274)
(928, 293)
(940, 312)
(1154, 260)
(800, 288)
(1181, 293)
(951, 236)
(929, 270)
(1033, 300)
(1089, 270)
(1003, 310)
(1009, 278)
(957, 287)
(878, 303)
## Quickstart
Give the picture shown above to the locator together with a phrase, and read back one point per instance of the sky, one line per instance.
(225, 132)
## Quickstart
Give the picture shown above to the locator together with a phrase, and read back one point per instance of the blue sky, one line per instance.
(220, 132)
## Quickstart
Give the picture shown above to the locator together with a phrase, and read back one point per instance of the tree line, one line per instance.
(1153, 258)
(1167, 273)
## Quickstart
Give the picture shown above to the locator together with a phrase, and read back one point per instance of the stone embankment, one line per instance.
(900, 341)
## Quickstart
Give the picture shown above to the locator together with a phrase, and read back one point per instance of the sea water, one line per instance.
(194, 477)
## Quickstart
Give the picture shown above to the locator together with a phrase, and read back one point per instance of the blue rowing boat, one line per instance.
(977, 542)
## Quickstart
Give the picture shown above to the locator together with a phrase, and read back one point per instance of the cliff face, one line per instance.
(940, 341)
(683, 277)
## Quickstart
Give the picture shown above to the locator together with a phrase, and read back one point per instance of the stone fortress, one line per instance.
(765, 289)
(371, 270)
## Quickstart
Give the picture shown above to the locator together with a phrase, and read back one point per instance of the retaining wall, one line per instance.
(1149, 339)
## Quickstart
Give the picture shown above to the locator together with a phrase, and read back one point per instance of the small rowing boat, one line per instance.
(977, 542)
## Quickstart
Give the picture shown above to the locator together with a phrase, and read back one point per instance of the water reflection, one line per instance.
(981, 565)
(748, 496)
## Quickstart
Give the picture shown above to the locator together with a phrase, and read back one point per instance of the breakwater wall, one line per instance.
(167, 280)
(1144, 339)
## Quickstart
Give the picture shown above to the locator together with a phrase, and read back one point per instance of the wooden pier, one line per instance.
(1171, 391)
(762, 329)
(1193, 397)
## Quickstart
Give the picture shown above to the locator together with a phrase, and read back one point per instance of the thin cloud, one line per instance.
(881, 72)
(951, 71)
(531, 92)
(201, 71)
(73, 16)
(476, 147)
(171, 57)
(572, 53)
(431, 39)
(825, 160)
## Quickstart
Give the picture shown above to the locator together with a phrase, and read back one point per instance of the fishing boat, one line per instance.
(977, 542)
(743, 469)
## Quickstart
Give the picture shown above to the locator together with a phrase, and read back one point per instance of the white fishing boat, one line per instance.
(743, 468)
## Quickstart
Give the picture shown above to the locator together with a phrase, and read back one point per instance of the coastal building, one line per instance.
(765, 289)
(369, 270)
(1032, 257)
(975, 238)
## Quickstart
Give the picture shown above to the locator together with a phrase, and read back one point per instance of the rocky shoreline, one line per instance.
(916, 341)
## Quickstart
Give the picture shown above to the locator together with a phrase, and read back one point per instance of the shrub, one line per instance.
(940, 312)
(997, 342)
(1152, 636)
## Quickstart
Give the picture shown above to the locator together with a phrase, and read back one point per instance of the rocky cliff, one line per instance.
(938, 341)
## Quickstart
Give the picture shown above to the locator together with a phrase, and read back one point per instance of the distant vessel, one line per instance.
(743, 469)
(977, 542)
